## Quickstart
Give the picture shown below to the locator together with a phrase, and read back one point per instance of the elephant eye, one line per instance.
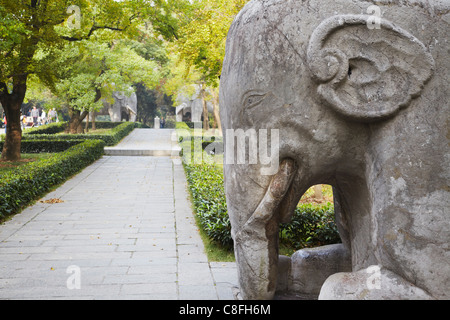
(253, 99)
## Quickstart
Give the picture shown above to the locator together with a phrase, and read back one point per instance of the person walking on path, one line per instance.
(22, 120)
(35, 115)
(52, 115)
(4, 122)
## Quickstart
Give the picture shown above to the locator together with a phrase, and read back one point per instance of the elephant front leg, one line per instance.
(257, 263)
(256, 243)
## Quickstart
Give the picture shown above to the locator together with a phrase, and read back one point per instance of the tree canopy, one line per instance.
(83, 49)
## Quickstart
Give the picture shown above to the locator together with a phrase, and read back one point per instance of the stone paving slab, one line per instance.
(125, 230)
(147, 142)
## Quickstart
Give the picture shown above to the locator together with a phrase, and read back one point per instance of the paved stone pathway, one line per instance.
(124, 229)
(147, 142)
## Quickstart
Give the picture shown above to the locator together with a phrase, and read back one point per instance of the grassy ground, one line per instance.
(6, 166)
(96, 131)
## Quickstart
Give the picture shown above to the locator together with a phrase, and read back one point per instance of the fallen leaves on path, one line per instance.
(54, 200)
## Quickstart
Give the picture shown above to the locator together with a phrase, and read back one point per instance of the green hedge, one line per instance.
(199, 124)
(110, 138)
(50, 128)
(208, 196)
(29, 182)
(102, 124)
(45, 146)
(58, 127)
(182, 125)
(311, 225)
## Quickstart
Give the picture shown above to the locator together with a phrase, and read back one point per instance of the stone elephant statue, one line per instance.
(124, 107)
(356, 100)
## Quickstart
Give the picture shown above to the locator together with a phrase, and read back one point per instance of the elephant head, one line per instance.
(359, 107)
(123, 103)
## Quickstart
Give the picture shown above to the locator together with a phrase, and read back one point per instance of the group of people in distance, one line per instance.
(34, 117)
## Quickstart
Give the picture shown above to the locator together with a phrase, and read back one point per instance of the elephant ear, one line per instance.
(363, 73)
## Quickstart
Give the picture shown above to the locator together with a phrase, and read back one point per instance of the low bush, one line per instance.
(110, 138)
(50, 128)
(182, 125)
(213, 145)
(312, 225)
(28, 182)
(170, 124)
(45, 146)
(208, 196)
(192, 125)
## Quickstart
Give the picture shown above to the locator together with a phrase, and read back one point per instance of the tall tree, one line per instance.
(199, 46)
(202, 35)
(29, 25)
(90, 71)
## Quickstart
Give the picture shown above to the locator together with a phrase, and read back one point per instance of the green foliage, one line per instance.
(182, 125)
(311, 226)
(111, 138)
(152, 103)
(89, 70)
(44, 146)
(10, 30)
(208, 195)
(215, 144)
(201, 34)
(198, 48)
(28, 182)
(50, 128)
(32, 26)
(103, 124)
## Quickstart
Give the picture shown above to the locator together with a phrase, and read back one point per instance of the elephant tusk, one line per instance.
(275, 193)
(132, 111)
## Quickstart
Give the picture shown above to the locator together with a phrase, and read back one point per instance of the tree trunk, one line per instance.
(93, 121)
(12, 103)
(87, 123)
(216, 111)
(205, 110)
(76, 119)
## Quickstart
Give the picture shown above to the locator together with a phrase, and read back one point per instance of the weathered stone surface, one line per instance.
(193, 105)
(284, 272)
(312, 266)
(373, 283)
(122, 104)
(363, 109)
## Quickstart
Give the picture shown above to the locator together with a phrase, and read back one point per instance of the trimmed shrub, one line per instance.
(47, 146)
(199, 124)
(50, 128)
(182, 125)
(311, 226)
(208, 196)
(29, 182)
(215, 144)
(102, 124)
(110, 138)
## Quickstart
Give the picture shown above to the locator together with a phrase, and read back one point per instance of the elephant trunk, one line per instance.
(256, 242)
